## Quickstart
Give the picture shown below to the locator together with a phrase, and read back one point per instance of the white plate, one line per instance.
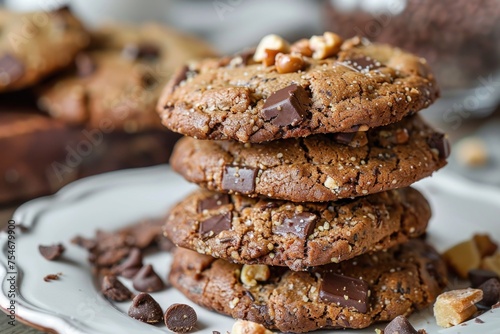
(74, 305)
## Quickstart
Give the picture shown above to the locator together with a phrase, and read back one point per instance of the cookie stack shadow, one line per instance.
(305, 219)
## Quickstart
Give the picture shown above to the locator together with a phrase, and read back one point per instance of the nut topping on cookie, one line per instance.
(288, 63)
(344, 291)
(270, 42)
(250, 274)
(325, 46)
(287, 106)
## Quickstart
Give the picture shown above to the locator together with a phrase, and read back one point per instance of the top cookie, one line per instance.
(119, 80)
(34, 45)
(321, 85)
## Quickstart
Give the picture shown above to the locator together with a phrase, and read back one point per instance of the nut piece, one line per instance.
(250, 274)
(288, 63)
(325, 46)
(463, 257)
(270, 58)
(485, 245)
(270, 42)
(302, 46)
(472, 152)
(492, 263)
(456, 306)
(248, 327)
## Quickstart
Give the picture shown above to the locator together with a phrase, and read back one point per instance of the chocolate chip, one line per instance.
(11, 69)
(344, 291)
(52, 252)
(147, 280)
(239, 179)
(179, 76)
(146, 51)
(287, 106)
(400, 325)
(491, 292)
(88, 244)
(85, 65)
(479, 276)
(213, 202)
(164, 243)
(301, 224)
(131, 265)
(439, 142)
(52, 277)
(344, 138)
(216, 224)
(180, 318)
(362, 64)
(113, 289)
(144, 308)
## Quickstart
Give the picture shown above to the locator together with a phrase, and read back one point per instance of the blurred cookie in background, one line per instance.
(36, 44)
(119, 78)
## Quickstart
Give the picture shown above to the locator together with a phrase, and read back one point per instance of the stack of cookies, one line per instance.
(305, 153)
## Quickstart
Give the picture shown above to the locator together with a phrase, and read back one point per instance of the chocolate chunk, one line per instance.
(287, 106)
(344, 137)
(113, 289)
(88, 244)
(144, 308)
(11, 69)
(179, 76)
(491, 292)
(164, 243)
(180, 318)
(52, 252)
(146, 51)
(85, 65)
(131, 265)
(52, 277)
(344, 291)
(213, 202)
(362, 64)
(479, 276)
(400, 325)
(301, 224)
(147, 280)
(216, 224)
(439, 142)
(239, 179)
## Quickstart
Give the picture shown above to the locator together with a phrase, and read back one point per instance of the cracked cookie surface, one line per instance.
(282, 233)
(316, 168)
(117, 82)
(37, 44)
(397, 282)
(226, 98)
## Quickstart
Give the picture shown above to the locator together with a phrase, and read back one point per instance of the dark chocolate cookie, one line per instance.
(34, 45)
(118, 81)
(321, 85)
(351, 294)
(317, 168)
(281, 233)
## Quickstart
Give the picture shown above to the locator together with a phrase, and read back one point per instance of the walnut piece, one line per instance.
(270, 42)
(325, 46)
(248, 327)
(250, 274)
(289, 63)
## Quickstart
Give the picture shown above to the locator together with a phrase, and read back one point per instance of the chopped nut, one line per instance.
(250, 274)
(249, 327)
(456, 306)
(289, 63)
(484, 244)
(331, 184)
(463, 257)
(270, 42)
(325, 46)
(302, 46)
(472, 152)
(492, 263)
(270, 58)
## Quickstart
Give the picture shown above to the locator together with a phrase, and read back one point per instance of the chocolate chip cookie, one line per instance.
(323, 167)
(282, 233)
(321, 85)
(34, 45)
(351, 294)
(118, 81)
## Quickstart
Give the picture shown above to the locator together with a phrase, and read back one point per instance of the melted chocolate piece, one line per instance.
(216, 224)
(344, 137)
(180, 318)
(213, 202)
(11, 69)
(113, 289)
(287, 106)
(144, 308)
(239, 179)
(400, 325)
(344, 291)
(301, 224)
(147, 280)
(439, 142)
(52, 252)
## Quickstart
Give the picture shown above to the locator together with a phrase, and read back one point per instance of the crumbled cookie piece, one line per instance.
(52, 277)
(456, 306)
(248, 327)
(52, 252)
(180, 318)
(146, 309)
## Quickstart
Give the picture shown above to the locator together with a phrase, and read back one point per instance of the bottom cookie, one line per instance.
(352, 294)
